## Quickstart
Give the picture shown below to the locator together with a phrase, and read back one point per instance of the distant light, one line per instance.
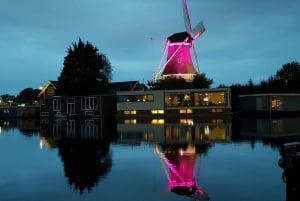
(181, 152)
(41, 144)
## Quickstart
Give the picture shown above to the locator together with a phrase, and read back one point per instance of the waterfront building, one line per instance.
(270, 104)
(172, 103)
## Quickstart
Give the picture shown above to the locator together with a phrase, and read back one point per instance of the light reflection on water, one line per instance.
(184, 159)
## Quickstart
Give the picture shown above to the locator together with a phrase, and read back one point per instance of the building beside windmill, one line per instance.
(174, 103)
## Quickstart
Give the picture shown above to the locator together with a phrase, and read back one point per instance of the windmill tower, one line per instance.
(179, 63)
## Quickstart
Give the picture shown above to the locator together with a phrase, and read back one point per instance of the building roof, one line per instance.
(114, 86)
(126, 86)
(269, 94)
(50, 82)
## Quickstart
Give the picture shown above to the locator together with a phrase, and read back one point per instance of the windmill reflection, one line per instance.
(179, 163)
(179, 143)
(84, 148)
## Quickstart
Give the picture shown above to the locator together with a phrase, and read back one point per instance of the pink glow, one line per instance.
(181, 169)
(180, 62)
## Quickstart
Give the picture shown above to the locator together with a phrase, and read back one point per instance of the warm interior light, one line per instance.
(157, 111)
(157, 121)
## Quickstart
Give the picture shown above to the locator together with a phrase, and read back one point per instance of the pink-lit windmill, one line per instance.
(179, 63)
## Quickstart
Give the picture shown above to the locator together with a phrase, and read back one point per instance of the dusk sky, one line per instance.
(243, 39)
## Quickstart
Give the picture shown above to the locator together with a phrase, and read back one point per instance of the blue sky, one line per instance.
(243, 39)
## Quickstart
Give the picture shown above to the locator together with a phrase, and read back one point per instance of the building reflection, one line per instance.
(269, 127)
(179, 143)
(84, 148)
(195, 131)
(84, 145)
(26, 126)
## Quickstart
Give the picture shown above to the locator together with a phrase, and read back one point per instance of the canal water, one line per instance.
(138, 159)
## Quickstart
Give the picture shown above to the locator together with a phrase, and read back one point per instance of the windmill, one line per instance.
(179, 62)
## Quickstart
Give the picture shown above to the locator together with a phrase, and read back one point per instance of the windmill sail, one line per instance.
(186, 16)
(198, 30)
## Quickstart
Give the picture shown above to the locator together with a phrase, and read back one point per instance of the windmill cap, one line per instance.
(179, 37)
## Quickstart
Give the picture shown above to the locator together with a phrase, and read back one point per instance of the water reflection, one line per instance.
(84, 148)
(178, 144)
(270, 128)
(27, 127)
(181, 169)
(85, 161)
(134, 131)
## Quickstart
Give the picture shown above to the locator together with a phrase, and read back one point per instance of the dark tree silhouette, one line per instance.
(86, 161)
(85, 71)
(286, 80)
(27, 96)
(5, 98)
(200, 81)
(170, 83)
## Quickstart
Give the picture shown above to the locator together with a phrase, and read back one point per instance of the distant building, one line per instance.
(270, 104)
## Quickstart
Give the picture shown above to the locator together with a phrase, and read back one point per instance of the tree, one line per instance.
(201, 81)
(7, 99)
(286, 79)
(289, 73)
(27, 96)
(170, 83)
(85, 71)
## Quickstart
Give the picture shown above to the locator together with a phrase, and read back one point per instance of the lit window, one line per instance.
(276, 103)
(189, 111)
(130, 121)
(157, 111)
(185, 111)
(219, 110)
(127, 112)
(157, 121)
(187, 121)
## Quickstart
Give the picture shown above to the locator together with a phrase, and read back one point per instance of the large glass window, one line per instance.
(210, 98)
(195, 99)
(178, 99)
